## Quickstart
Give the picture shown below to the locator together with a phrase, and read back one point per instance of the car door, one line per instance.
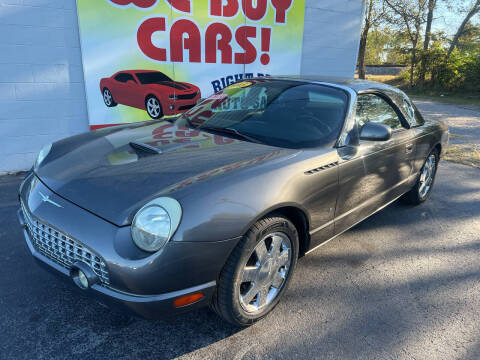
(119, 91)
(373, 173)
(128, 88)
(124, 88)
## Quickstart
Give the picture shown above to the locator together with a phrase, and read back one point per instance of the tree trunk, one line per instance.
(412, 64)
(426, 44)
(414, 38)
(363, 40)
(361, 53)
(475, 9)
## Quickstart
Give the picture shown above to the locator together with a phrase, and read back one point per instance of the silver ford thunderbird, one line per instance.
(216, 206)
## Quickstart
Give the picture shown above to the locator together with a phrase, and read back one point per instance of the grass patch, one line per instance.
(456, 99)
(393, 80)
(431, 94)
(466, 154)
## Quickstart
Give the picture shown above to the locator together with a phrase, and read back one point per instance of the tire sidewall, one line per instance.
(112, 101)
(253, 238)
(159, 103)
(417, 186)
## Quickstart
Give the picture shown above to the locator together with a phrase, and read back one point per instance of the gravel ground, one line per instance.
(463, 120)
(404, 284)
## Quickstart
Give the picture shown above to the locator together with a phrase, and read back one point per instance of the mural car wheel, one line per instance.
(108, 98)
(154, 109)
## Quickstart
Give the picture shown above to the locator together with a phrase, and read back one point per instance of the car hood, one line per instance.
(176, 86)
(102, 173)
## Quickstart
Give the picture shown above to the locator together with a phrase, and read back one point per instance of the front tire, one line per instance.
(153, 107)
(423, 187)
(258, 271)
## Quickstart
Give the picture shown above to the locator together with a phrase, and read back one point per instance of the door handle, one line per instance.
(409, 148)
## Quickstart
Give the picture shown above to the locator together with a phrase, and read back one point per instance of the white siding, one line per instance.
(42, 96)
(331, 37)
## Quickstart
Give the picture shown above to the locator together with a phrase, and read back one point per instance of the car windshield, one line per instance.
(282, 113)
(152, 77)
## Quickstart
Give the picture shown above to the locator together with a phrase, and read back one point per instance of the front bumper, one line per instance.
(147, 306)
(178, 106)
(146, 284)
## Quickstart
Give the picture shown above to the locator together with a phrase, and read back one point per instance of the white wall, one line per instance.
(42, 96)
(331, 37)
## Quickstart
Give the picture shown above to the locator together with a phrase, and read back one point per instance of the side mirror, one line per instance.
(375, 132)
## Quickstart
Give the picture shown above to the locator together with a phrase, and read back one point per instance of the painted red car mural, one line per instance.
(149, 90)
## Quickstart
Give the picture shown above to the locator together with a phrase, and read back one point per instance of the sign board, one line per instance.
(148, 59)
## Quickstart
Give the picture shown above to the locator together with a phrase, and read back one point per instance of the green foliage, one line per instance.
(459, 72)
(386, 46)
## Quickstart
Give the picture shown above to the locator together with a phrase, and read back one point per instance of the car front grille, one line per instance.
(61, 248)
(186, 107)
(186, 96)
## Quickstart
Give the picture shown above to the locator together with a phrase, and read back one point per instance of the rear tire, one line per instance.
(258, 271)
(423, 187)
(108, 98)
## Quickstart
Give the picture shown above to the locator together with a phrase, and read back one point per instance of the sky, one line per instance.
(448, 20)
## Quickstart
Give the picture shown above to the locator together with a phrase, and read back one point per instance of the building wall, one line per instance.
(331, 37)
(385, 69)
(42, 96)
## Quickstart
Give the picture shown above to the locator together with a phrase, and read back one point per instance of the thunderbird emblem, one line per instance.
(46, 198)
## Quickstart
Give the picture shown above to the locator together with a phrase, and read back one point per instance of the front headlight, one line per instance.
(155, 223)
(42, 154)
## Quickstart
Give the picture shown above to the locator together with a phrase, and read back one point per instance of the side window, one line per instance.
(123, 77)
(414, 116)
(120, 78)
(372, 108)
(407, 105)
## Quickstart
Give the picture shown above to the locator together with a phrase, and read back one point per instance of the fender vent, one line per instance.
(325, 167)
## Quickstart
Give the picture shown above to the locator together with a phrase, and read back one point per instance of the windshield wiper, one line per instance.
(230, 131)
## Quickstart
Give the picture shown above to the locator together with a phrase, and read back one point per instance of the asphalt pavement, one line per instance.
(463, 120)
(404, 284)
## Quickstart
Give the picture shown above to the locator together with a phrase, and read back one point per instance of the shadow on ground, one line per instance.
(403, 284)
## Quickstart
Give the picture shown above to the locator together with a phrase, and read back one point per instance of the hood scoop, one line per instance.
(145, 147)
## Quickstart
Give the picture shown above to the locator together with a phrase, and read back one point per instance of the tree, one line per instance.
(410, 16)
(470, 40)
(474, 9)
(432, 4)
(377, 46)
(373, 16)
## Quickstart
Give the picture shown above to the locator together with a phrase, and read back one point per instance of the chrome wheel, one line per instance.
(427, 175)
(107, 97)
(265, 272)
(153, 107)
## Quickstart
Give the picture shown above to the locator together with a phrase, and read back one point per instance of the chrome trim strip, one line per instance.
(323, 226)
(358, 222)
(361, 206)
